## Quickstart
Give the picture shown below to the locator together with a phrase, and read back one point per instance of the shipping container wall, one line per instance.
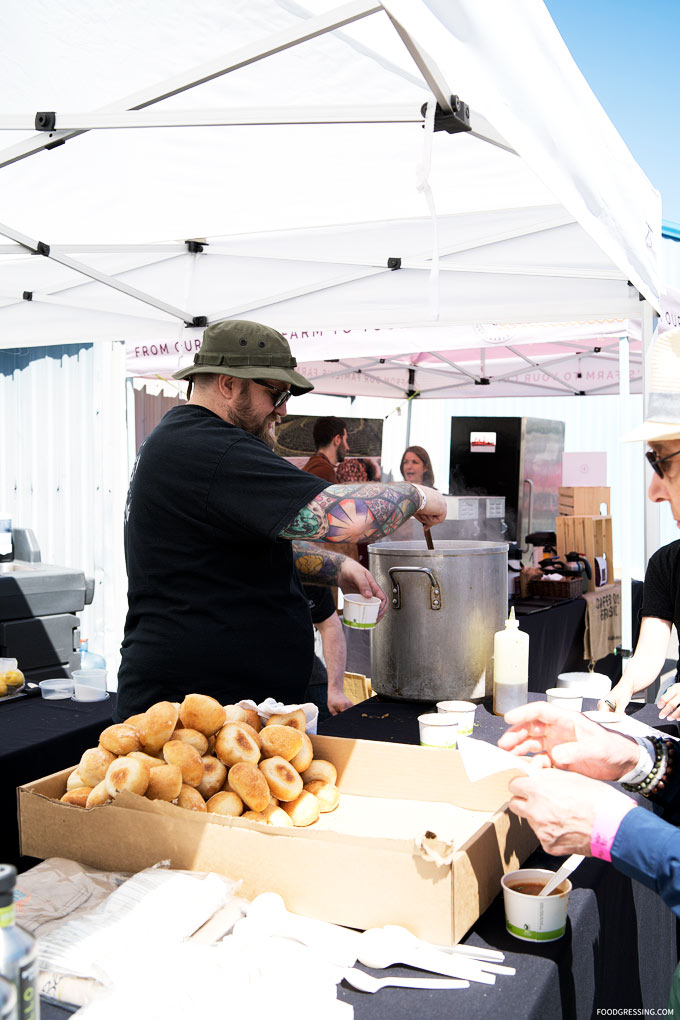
(64, 468)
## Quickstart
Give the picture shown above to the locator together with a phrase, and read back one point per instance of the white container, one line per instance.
(360, 612)
(510, 667)
(464, 711)
(56, 690)
(438, 729)
(566, 697)
(89, 684)
(535, 918)
(588, 685)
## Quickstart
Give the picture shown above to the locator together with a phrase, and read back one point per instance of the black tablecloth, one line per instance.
(37, 738)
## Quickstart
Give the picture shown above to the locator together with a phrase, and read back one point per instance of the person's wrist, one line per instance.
(609, 813)
(423, 497)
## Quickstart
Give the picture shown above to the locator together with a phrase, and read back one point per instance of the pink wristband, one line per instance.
(608, 818)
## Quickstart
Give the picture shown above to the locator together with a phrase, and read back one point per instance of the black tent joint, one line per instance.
(42, 249)
(195, 247)
(45, 120)
(198, 321)
(453, 121)
(482, 381)
(394, 264)
(27, 295)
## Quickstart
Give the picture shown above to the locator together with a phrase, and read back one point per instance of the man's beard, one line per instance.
(341, 452)
(242, 416)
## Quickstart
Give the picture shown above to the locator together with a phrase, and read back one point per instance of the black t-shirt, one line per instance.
(661, 594)
(321, 602)
(215, 604)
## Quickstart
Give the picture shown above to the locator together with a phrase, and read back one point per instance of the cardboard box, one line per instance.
(583, 500)
(590, 536)
(360, 866)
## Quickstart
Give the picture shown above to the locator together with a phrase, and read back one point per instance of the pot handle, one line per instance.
(435, 588)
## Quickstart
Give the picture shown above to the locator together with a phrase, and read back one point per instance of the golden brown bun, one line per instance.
(253, 719)
(327, 795)
(234, 713)
(176, 752)
(190, 798)
(283, 741)
(296, 719)
(74, 782)
(149, 759)
(282, 779)
(303, 811)
(158, 725)
(233, 744)
(135, 720)
(303, 759)
(93, 765)
(320, 769)
(120, 738)
(201, 712)
(247, 781)
(165, 783)
(78, 797)
(197, 740)
(225, 803)
(214, 775)
(99, 795)
(251, 731)
(272, 815)
(127, 774)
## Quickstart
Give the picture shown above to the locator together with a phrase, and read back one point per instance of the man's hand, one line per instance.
(337, 701)
(561, 808)
(434, 511)
(669, 703)
(355, 579)
(569, 740)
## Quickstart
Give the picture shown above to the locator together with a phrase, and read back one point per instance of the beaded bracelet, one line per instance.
(664, 753)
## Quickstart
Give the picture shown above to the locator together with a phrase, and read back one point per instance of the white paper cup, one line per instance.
(464, 711)
(535, 918)
(438, 729)
(588, 685)
(360, 612)
(567, 697)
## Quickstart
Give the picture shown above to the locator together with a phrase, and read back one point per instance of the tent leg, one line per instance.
(625, 472)
(652, 516)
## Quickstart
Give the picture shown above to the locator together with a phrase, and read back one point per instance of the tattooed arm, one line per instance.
(323, 566)
(364, 512)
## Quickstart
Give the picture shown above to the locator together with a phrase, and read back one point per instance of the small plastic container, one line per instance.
(438, 729)
(89, 685)
(56, 690)
(567, 697)
(464, 711)
(360, 612)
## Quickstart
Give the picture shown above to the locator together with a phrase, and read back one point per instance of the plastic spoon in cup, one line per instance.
(367, 983)
(569, 865)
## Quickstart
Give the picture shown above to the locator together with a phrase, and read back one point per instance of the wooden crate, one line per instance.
(582, 500)
(591, 536)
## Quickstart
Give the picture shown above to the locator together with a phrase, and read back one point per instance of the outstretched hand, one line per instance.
(355, 579)
(434, 511)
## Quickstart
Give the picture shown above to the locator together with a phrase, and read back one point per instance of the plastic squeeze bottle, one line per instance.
(511, 667)
(18, 959)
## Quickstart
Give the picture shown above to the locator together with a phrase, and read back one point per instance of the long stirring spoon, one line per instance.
(569, 865)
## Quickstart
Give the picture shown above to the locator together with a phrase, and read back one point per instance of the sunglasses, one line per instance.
(656, 461)
(279, 397)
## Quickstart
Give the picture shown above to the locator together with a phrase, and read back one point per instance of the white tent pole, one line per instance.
(649, 322)
(624, 467)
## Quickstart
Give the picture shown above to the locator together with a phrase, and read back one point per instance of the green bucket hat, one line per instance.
(246, 350)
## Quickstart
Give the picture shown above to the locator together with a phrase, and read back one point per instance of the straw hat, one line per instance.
(662, 420)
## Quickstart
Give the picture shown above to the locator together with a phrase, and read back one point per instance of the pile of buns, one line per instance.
(204, 756)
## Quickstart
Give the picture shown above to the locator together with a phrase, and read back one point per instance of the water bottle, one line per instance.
(88, 659)
(510, 667)
(18, 951)
(8, 1000)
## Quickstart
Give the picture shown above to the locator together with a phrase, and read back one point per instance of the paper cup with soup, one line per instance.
(360, 612)
(529, 916)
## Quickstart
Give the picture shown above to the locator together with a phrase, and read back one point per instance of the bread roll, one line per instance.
(271, 815)
(135, 721)
(190, 798)
(253, 719)
(157, 725)
(127, 774)
(203, 713)
(74, 782)
(233, 744)
(165, 783)
(320, 769)
(120, 738)
(214, 775)
(149, 759)
(282, 741)
(282, 779)
(93, 765)
(196, 739)
(225, 803)
(303, 759)
(251, 731)
(99, 795)
(176, 752)
(78, 797)
(296, 719)
(247, 781)
(303, 811)
(234, 713)
(327, 795)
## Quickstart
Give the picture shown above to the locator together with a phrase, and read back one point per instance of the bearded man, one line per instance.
(220, 532)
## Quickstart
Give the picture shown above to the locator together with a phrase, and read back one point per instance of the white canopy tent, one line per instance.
(302, 172)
